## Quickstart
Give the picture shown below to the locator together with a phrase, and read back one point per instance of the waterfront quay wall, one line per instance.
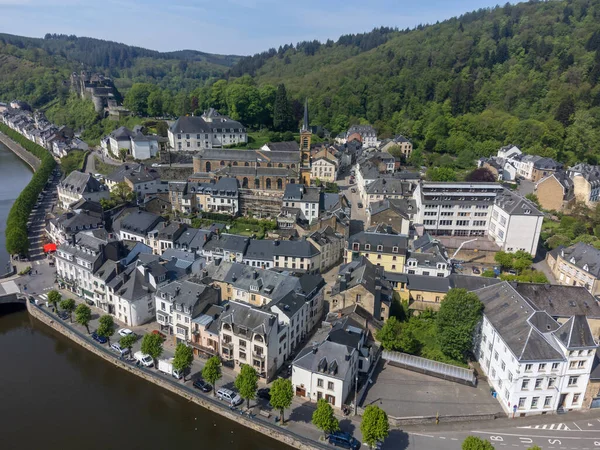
(26, 156)
(256, 423)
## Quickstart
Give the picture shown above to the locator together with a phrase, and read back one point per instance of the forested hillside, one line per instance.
(35, 70)
(526, 73)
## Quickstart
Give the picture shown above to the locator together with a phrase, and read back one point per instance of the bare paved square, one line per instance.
(402, 393)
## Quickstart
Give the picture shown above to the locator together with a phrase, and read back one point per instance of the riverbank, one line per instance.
(281, 434)
(26, 156)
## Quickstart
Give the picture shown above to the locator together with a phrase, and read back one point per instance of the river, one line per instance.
(14, 176)
(56, 395)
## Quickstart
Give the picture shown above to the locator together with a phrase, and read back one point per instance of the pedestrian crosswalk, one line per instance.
(552, 426)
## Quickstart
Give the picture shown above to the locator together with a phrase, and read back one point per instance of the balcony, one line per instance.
(228, 345)
(259, 356)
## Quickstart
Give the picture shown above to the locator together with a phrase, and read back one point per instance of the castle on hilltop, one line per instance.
(99, 89)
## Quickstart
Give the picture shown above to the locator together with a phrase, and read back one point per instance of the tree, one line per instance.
(534, 199)
(389, 334)
(152, 344)
(212, 371)
(68, 305)
(475, 443)
(123, 152)
(128, 341)
(481, 174)
(535, 447)
(83, 315)
(324, 419)
(441, 174)
(374, 426)
(122, 193)
(282, 394)
(106, 327)
(183, 359)
(504, 259)
(459, 313)
(247, 383)
(54, 298)
(488, 273)
(282, 111)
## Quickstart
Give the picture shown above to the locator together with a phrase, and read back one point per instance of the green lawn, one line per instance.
(102, 167)
(73, 161)
(424, 330)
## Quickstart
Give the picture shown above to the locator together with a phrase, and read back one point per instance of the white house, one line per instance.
(136, 226)
(80, 186)
(535, 364)
(515, 223)
(325, 169)
(508, 151)
(304, 198)
(212, 130)
(143, 147)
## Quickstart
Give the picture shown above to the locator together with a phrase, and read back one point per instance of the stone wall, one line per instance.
(210, 403)
(26, 156)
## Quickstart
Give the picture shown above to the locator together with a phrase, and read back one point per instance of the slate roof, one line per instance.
(364, 272)
(471, 283)
(325, 235)
(260, 249)
(243, 315)
(330, 201)
(403, 206)
(78, 221)
(122, 134)
(80, 182)
(327, 357)
(299, 192)
(137, 173)
(583, 255)
(297, 249)
(140, 222)
(428, 283)
(558, 300)
(190, 294)
(196, 124)
(576, 333)
(131, 284)
(388, 241)
(228, 242)
(587, 171)
(288, 146)
(389, 185)
(514, 204)
(510, 315)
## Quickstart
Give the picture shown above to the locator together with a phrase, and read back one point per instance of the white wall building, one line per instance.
(306, 199)
(535, 364)
(515, 223)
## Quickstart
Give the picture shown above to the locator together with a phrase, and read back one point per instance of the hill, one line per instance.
(526, 74)
(34, 69)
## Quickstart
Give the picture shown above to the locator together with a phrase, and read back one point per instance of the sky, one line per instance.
(238, 27)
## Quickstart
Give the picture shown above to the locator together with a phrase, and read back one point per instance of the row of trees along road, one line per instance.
(374, 425)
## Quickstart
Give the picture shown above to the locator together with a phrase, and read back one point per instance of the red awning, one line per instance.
(49, 248)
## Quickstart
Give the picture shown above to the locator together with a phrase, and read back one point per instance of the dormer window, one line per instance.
(572, 260)
(380, 248)
(367, 246)
(586, 268)
(394, 249)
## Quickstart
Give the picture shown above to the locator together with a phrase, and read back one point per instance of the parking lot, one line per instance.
(403, 393)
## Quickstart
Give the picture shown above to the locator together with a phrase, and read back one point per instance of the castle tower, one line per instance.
(305, 138)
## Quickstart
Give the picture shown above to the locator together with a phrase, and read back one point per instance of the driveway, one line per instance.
(358, 216)
(403, 393)
(525, 187)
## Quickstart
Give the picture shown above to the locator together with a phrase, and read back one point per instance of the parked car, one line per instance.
(155, 165)
(199, 383)
(63, 315)
(512, 272)
(125, 332)
(264, 393)
(143, 359)
(162, 335)
(117, 348)
(360, 205)
(90, 302)
(476, 270)
(344, 440)
(353, 190)
(99, 339)
(229, 396)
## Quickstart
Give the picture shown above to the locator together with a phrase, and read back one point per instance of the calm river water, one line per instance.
(56, 395)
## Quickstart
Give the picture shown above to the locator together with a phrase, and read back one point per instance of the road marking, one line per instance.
(424, 435)
(535, 436)
(442, 437)
(453, 439)
(577, 426)
(551, 427)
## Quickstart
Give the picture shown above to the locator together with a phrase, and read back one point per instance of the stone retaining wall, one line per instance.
(26, 156)
(399, 422)
(271, 430)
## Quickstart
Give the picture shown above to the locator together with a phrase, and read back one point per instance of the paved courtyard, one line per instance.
(402, 393)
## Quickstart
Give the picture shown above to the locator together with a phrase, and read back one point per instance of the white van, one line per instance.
(166, 366)
(229, 396)
(143, 359)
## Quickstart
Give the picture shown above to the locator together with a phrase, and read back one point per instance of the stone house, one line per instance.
(555, 192)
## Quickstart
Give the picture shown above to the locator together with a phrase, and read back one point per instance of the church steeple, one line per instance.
(305, 138)
(305, 121)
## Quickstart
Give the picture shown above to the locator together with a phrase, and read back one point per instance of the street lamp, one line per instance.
(356, 394)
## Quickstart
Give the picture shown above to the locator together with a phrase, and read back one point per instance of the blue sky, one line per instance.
(220, 26)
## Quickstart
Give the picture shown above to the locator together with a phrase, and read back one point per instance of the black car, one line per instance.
(63, 315)
(99, 339)
(344, 440)
(264, 393)
(199, 383)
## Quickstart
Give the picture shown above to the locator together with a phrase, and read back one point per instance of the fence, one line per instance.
(430, 367)
(254, 422)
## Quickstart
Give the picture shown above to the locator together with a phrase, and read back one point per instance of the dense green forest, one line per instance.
(526, 74)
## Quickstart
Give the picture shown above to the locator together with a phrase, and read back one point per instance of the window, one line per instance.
(522, 402)
(242, 355)
(330, 385)
(525, 385)
(528, 367)
(581, 364)
(503, 365)
(394, 249)
(555, 366)
(367, 246)
(496, 356)
(493, 373)
(500, 383)
(484, 338)
(542, 367)
(319, 382)
(358, 298)
(538, 383)
(573, 381)
(551, 382)
(510, 376)
(576, 398)
(534, 402)
(380, 248)
(547, 401)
